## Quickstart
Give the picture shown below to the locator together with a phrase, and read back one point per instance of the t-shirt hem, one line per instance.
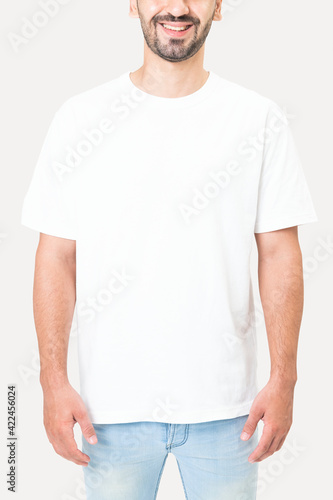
(114, 417)
(273, 225)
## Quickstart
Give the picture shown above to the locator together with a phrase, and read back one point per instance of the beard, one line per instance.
(175, 49)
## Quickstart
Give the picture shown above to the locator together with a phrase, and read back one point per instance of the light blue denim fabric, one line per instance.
(128, 460)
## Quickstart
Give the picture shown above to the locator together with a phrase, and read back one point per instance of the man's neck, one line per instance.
(169, 81)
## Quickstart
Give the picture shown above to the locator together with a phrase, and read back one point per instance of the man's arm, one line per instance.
(54, 299)
(282, 293)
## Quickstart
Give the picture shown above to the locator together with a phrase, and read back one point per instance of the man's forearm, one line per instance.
(282, 295)
(54, 301)
(281, 292)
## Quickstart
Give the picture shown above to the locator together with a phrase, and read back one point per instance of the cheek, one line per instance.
(152, 8)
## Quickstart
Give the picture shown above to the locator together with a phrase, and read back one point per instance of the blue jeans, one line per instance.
(128, 460)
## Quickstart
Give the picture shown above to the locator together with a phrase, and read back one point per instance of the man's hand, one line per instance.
(63, 407)
(273, 405)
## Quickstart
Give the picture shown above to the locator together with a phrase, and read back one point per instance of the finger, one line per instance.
(70, 455)
(67, 446)
(76, 461)
(270, 451)
(72, 458)
(281, 443)
(84, 464)
(87, 428)
(263, 445)
(73, 454)
(251, 424)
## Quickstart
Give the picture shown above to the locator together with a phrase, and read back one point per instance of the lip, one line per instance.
(176, 34)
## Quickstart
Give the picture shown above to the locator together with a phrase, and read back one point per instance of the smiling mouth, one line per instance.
(176, 29)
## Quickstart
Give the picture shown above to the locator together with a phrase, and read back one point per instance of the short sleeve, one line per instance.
(284, 199)
(49, 204)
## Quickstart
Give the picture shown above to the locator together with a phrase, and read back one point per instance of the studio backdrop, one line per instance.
(51, 51)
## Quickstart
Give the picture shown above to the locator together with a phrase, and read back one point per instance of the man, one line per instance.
(149, 192)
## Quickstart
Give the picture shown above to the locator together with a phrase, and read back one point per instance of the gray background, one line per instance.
(281, 50)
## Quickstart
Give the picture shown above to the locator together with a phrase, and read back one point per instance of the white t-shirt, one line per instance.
(163, 197)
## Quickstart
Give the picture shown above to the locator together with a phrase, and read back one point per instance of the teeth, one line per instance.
(174, 28)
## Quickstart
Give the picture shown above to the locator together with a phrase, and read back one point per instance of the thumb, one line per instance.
(87, 428)
(250, 424)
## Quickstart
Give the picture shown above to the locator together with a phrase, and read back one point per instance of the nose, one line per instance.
(176, 8)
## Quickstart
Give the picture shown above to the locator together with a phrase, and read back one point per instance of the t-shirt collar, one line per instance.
(173, 102)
